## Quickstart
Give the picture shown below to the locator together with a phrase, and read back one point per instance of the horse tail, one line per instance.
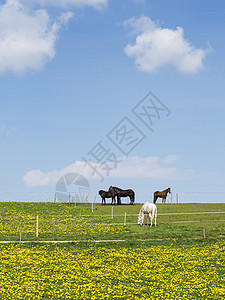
(131, 195)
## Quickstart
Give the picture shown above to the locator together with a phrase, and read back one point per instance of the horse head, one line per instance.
(110, 188)
(169, 190)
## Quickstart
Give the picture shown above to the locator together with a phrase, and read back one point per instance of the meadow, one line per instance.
(60, 221)
(170, 261)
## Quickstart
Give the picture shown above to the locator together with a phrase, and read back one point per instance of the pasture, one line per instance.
(170, 261)
(58, 221)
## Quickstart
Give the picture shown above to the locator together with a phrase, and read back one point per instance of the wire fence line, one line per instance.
(61, 218)
(196, 221)
(32, 226)
(111, 216)
(174, 197)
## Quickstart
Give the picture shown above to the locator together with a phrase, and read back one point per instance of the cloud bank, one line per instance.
(132, 167)
(27, 37)
(156, 47)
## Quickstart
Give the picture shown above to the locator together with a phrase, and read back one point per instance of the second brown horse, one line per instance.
(162, 194)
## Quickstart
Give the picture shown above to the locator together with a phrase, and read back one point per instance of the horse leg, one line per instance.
(112, 200)
(151, 215)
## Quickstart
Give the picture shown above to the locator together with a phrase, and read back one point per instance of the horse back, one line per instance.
(116, 189)
(107, 194)
(126, 192)
(149, 207)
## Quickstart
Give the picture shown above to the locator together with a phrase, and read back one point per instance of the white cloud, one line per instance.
(38, 178)
(27, 37)
(150, 167)
(156, 47)
(97, 4)
(131, 167)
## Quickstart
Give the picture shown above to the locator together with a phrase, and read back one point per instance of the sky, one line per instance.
(126, 93)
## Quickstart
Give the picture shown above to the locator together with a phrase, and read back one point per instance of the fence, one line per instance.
(173, 198)
(81, 226)
(69, 197)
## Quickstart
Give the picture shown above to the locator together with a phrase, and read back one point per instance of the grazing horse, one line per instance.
(151, 210)
(162, 195)
(109, 194)
(123, 193)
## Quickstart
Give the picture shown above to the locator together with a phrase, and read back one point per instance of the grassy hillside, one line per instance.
(170, 261)
(69, 222)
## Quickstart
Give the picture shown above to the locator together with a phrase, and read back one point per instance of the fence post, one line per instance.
(177, 198)
(92, 207)
(37, 226)
(112, 212)
(69, 197)
(125, 217)
(55, 198)
(204, 232)
(86, 198)
(171, 197)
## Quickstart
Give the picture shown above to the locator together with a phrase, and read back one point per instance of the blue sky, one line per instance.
(72, 71)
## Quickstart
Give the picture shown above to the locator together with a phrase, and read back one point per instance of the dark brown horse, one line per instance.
(123, 193)
(162, 195)
(108, 194)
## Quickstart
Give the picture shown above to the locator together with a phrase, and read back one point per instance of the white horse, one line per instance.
(151, 210)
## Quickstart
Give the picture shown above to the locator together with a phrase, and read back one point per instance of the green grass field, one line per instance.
(67, 222)
(170, 261)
